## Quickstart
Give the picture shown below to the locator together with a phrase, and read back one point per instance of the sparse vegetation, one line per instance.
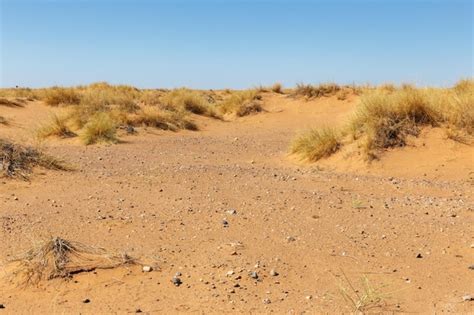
(60, 258)
(241, 103)
(277, 88)
(61, 96)
(187, 100)
(313, 91)
(386, 116)
(100, 128)
(57, 126)
(366, 298)
(17, 160)
(316, 144)
(10, 103)
(162, 119)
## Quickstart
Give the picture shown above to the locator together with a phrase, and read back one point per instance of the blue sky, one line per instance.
(238, 44)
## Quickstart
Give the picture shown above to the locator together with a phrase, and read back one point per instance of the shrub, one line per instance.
(57, 126)
(277, 88)
(241, 103)
(316, 144)
(386, 119)
(17, 160)
(61, 96)
(314, 91)
(101, 128)
(162, 119)
(191, 101)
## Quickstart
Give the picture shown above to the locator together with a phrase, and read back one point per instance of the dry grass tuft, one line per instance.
(316, 144)
(17, 160)
(241, 103)
(367, 298)
(187, 100)
(100, 128)
(57, 126)
(162, 119)
(277, 88)
(60, 258)
(61, 96)
(385, 118)
(313, 91)
(9, 103)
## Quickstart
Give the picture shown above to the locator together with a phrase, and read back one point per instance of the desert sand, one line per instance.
(247, 227)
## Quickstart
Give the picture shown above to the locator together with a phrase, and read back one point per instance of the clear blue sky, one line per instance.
(238, 44)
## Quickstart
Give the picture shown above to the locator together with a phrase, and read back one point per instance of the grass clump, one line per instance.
(57, 126)
(61, 96)
(100, 128)
(277, 88)
(10, 103)
(365, 299)
(162, 119)
(60, 258)
(316, 144)
(187, 100)
(386, 117)
(314, 91)
(18, 161)
(241, 103)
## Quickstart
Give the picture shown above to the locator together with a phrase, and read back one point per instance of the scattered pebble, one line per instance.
(468, 298)
(147, 268)
(471, 267)
(254, 275)
(266, 301)
(273, 273)
(176, 281)
(232, 211)
(86, 301)
(225, 223)
(419, 255)
(2, 306)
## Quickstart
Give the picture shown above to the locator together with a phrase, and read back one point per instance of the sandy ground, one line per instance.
(404, 223)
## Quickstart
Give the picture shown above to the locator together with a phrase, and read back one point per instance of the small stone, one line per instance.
(2, 306)
(254, 275)
(290, 239)
(471, 267)
(232, 211)
(147, 268)
(176, 281)
(419, 255)
(86, 301)
(309, 297)
(138, 310)
(273, 273)
(468, 298)
(178, 274)
(230, 272)
(266, 301)
(225, 223)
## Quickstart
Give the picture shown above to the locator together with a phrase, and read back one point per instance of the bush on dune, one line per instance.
(385, 117)
(101, 128)
(17, 160)
(241, 103)
(61, 96)
(316, 144)
(57, 126)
